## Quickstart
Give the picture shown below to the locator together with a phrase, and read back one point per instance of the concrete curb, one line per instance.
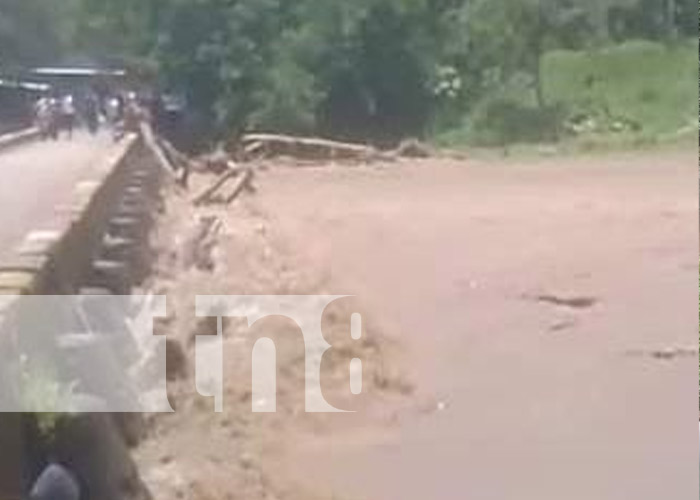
(17, 138)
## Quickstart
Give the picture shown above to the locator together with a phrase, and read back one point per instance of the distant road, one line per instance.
(38, 179)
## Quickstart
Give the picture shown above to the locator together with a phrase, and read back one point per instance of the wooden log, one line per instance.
(243, 182)
(177, 158)
(206, 195)
(307, 146)
(254, 148)
(306, 141)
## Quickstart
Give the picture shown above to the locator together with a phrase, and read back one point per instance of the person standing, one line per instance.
(42, 112)
(53, 118)
(68, 114)
(113, 109)
(92, 113)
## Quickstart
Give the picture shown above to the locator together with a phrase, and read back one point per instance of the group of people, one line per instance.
(56, 115)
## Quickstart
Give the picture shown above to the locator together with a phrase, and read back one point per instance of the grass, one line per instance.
(636, 94)
(649, 84)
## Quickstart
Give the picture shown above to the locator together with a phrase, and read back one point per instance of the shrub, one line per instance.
(502, 120)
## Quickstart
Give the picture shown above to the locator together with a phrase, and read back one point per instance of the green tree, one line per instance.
(362, 69)
(511, 36)
(33, 31)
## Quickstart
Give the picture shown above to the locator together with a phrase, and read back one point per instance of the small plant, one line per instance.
(41, 390)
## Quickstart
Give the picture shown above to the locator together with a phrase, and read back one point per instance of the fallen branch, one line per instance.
(150, 141)
(206, 195)
(253, 148)
(176, 157)
(243, 182)
(182, 162)
(307, 147)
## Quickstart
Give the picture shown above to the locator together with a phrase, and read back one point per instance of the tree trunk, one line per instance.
(670, 18)
(601, 18)
(537, 54)
(539, 91)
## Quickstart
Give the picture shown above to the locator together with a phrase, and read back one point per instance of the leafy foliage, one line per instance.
(33, 31)
(379, 69)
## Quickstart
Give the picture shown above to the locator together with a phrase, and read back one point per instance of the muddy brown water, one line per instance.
(515, 397)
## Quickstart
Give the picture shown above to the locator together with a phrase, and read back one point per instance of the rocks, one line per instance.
(55, 483)
(573, 302)
(671, 353)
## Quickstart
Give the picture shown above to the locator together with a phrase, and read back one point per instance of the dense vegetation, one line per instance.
(634, 93)
(484, 70)
(33, 31)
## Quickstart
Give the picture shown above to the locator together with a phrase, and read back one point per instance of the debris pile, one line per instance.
(235, 170)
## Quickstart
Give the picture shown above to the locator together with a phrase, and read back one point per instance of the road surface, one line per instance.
(38, 181)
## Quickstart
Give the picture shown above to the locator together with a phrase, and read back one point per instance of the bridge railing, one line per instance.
(102, 247)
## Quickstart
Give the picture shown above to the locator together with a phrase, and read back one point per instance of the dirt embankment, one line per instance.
(196, 453)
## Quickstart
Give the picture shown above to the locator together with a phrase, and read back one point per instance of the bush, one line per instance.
(501, 121)
(286, 100)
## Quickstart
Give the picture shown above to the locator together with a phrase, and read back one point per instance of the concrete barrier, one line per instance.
(17, 138)
(60, 260)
